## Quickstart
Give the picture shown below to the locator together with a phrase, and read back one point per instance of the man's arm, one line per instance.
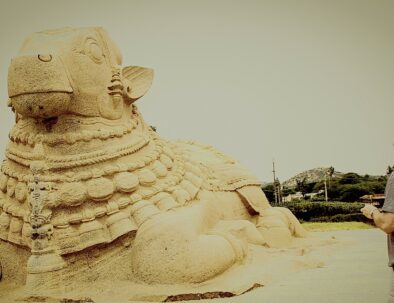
(384, 221)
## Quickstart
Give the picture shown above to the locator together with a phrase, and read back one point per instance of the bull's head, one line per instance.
(73, 71)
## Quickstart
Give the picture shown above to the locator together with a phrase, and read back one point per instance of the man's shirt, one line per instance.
(388, 207)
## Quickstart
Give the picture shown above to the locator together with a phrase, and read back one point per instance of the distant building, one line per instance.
(312, 195)
(298, 196)
(375, 199)
(292, 197)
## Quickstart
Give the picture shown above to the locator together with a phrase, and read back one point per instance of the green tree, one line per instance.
(389, 169)
(330, 173)
(288, 191)
(352, 192)
(269, 192)
(301, 185)
(350, 178)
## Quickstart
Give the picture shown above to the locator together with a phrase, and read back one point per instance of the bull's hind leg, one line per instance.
(278, 226)
(177, 247)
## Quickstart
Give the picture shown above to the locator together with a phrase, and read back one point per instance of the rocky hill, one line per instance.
(312, 175)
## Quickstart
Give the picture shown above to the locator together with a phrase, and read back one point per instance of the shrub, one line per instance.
(341, 218)
(326, 211)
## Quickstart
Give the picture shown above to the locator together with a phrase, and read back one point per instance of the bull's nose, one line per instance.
(39, 86)
(45, 57)
(41, 73)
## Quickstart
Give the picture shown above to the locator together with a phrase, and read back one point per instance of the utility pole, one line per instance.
(275, 192)
(279, 191)
(325, 186)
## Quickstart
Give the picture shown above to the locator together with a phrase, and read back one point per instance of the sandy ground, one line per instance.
(357, 272)
(347, 266)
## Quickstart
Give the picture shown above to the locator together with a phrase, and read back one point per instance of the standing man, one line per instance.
(384, 219)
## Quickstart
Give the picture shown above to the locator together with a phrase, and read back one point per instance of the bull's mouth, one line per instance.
(41, 105)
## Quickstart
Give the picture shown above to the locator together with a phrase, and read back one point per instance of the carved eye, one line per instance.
(93, 50)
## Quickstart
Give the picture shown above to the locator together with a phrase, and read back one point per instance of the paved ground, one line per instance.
(357, 273)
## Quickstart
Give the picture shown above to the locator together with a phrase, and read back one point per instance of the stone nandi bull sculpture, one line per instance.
(86, 183)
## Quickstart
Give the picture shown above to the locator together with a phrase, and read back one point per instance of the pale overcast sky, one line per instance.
(309, 83)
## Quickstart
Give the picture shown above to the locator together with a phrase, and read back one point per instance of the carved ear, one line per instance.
(136, 80)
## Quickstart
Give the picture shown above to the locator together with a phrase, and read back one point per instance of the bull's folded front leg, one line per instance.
(175, 248)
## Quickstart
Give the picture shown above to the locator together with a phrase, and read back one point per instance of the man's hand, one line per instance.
(368, 209)
(383, 220)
